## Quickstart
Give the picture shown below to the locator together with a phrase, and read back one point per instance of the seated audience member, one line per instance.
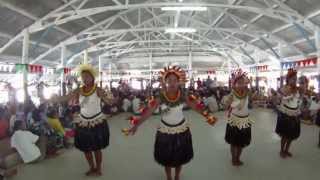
(25, 143)
(212, 103)
(126, 104)
(54, 122)
(136, 105)
(4, 126)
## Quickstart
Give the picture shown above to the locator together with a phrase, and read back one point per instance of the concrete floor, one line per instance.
(132, 157)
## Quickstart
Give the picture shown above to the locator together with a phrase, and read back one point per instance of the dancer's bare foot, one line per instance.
(176, 178)
(288, 154)
(240, 163)
(90, 172)
(283, 154)
(237, 163)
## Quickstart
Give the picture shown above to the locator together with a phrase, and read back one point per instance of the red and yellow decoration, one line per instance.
(125, 131)
(152, 102)
(92, 90)
(210, 119)
(134, 120)
(174, 99)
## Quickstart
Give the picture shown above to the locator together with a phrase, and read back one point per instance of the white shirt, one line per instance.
(314, 106)
(174, 115)
(212, 104)
(126, 104)
(24, 143)
(136, 105)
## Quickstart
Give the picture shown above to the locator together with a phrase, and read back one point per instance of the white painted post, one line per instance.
(190, 65)
(63, 64)
(24, 61)
(110, 75)
(150, 70)
(281, 69)
(100, 71)
(85, 57)
(317, 39)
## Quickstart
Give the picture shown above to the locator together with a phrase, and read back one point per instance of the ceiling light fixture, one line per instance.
(185, 8)
(180, 30)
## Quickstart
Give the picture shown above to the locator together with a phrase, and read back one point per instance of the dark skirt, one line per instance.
(288, 126)
(92, 139)
(238, 137)
(173, 150)
(318, 119)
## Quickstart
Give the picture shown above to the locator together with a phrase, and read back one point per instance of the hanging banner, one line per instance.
(262, 68)
(7, 68)
(21, 68)
(305, 63)
(33, 68)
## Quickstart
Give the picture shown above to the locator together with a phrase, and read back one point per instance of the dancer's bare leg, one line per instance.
(177, 171)
(89, 158)
(168, 173)
(98, 156)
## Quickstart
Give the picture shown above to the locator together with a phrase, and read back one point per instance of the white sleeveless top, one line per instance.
(290, 105)
(174, 115)
(240, 117)
(291, 102)
(90, 105)
(90, 111)
(244, 111)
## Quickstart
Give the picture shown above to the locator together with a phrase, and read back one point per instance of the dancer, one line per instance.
(92, 130)
(173, 144)
(305, 96)
(238, 130)
(288, 123)
(318, 124)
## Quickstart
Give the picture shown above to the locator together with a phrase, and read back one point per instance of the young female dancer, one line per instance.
(288, 123)
(173, 144)
(238, 130)
(92, 130)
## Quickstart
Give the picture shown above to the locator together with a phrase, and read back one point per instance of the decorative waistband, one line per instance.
(91, 117)
(173, 129)
(291, 108)
(173, 125)
(289, 111)
(82, 122)
(240, 122)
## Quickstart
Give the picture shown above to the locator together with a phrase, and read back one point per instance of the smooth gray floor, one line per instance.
(132, 157)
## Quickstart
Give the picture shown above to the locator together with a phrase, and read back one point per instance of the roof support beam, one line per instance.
(222, 14)
(247, 54)
(28, 15)
(39, 21)
(270, 47)
(304, 34)
(67, 16)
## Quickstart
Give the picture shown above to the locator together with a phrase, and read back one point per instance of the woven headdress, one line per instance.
(85, 67)
(180, 73)
(291, 73)
(238, 74)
